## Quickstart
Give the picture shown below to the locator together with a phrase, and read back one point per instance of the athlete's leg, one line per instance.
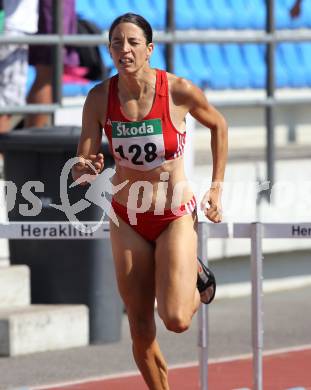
(134, 262)
(176, 273)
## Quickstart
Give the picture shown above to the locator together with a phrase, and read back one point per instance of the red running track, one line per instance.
(282, 371)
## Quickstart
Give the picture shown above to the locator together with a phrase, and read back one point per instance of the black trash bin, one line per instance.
(62, 271)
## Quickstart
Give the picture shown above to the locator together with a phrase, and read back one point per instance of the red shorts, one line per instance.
(150, 225)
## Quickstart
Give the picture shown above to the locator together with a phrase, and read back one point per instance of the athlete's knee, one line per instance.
(176, 323)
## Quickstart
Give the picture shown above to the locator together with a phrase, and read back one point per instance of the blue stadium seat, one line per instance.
(281, 74)
(147, 8)
(184, 16)
(291, 69)
(243, 13)
(158, 57)
(304, 53)
(215, 66)
(288, 54)
(240, 78)
(194, 58)
(100, 12)
(258, 8)
(203, 15)
(222, 14)
(282, 16)
(135, 6)
(84, 10)
(306, 14)
(255, 63)
(144, 9)
(181, 66)
(159, 8)
(303, 20)
(123, 6)
(220, 76)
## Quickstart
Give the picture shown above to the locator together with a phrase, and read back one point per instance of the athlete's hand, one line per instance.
(211, 204)
(87, 169)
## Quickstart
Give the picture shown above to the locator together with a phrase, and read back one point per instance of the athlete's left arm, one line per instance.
(199, 107)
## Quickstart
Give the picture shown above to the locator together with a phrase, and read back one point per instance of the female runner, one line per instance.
(154, 244)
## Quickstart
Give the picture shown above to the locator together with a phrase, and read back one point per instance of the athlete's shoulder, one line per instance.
(176, 81)
(96, 101)
(98, 95)
(99, 89)
(181, 88)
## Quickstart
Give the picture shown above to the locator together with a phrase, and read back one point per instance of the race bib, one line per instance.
(138, 145)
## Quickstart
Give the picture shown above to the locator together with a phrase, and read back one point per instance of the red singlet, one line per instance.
(145, 144)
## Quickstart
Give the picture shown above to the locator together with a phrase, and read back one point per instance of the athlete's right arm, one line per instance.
(91, 162)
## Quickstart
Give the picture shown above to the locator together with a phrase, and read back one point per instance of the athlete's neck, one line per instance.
(135, 85)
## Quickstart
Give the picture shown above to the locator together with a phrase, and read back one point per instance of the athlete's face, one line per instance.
(128, 48)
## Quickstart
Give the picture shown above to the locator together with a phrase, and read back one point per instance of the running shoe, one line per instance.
(206, 283)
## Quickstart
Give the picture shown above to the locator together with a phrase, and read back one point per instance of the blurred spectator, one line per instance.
(14, 58)
(296, 9)
(42, 58)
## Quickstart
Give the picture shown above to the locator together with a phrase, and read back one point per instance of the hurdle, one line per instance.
(254, 231)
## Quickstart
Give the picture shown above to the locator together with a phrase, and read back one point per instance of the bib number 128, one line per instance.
(148, 153)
